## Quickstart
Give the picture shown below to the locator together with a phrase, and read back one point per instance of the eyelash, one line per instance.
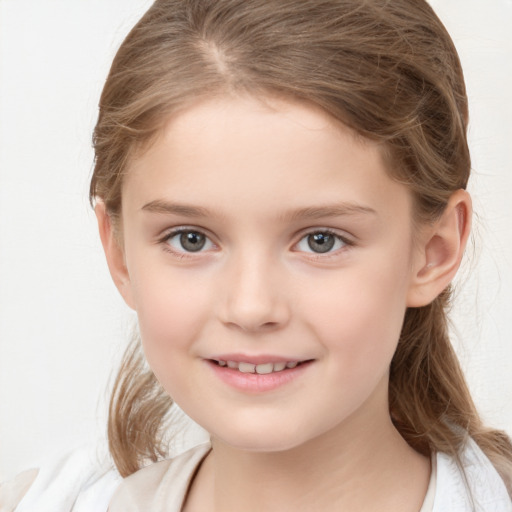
(346, 243)
(182, 254)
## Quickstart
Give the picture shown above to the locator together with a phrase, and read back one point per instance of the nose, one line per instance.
(253, 296)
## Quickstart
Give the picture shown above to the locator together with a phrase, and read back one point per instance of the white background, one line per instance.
(62, 325)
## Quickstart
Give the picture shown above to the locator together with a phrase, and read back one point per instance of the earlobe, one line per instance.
(441, 251)
(114, 254)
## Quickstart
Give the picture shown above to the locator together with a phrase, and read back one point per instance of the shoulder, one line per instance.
(159, 486)
(75, 482)
(474, 486)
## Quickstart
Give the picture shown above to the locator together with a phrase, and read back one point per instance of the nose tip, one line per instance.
(256, 315)
(254, 302)
(252, 319)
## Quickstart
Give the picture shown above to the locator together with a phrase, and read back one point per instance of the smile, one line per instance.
(257, 374)
(261, 369)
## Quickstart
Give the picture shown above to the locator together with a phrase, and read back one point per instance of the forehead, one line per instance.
(227, 152)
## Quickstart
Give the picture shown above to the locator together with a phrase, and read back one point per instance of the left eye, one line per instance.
(321, 242)
(189, 241)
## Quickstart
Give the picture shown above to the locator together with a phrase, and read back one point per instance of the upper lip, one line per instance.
(256, 359)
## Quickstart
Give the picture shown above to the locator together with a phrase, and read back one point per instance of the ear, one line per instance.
(441, 250)
(114, 253)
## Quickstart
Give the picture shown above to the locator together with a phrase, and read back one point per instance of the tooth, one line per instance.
(292, 364)
(264, 368)
(246, 367)
(279, 367)
(232, 364)
(222, 363)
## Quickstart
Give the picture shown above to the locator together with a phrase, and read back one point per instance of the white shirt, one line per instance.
(78, 483)
(162, 487)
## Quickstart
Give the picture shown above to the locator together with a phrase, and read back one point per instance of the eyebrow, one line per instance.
(160, 206)
(307, 213)
(331, 210)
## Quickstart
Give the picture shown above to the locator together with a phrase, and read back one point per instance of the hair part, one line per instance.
(390, 72)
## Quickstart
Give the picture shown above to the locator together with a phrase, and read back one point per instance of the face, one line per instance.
(269, 258)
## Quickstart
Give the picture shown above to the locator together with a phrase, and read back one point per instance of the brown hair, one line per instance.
(388, 70)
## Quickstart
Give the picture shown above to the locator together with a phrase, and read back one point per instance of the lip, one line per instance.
(255, 383)
(256, 359)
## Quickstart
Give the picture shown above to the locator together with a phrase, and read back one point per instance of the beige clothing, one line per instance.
(11, 493)
(162, 487)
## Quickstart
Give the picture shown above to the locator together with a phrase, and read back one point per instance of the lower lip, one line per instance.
(255, 382)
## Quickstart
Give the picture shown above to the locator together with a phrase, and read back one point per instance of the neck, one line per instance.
(362, 465)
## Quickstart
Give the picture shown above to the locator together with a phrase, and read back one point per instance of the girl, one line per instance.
(280, 193)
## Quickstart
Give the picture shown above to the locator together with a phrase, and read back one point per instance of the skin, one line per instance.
(270, 173)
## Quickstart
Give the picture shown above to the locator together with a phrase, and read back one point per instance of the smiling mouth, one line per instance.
(260, 369)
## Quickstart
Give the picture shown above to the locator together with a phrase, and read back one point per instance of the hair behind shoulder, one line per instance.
(389, 71)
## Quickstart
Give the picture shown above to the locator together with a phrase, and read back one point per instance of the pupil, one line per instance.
(192, 241)
(321, 242)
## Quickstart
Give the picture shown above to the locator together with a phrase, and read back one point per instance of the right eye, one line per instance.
(188, 240)
(322, 241)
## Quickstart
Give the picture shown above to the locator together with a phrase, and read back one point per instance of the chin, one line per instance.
(268, 438)
(259, 445)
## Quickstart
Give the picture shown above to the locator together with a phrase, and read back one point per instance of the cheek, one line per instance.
(171, 310)
(359, 316)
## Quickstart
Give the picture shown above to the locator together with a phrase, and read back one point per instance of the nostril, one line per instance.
(254, 327)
